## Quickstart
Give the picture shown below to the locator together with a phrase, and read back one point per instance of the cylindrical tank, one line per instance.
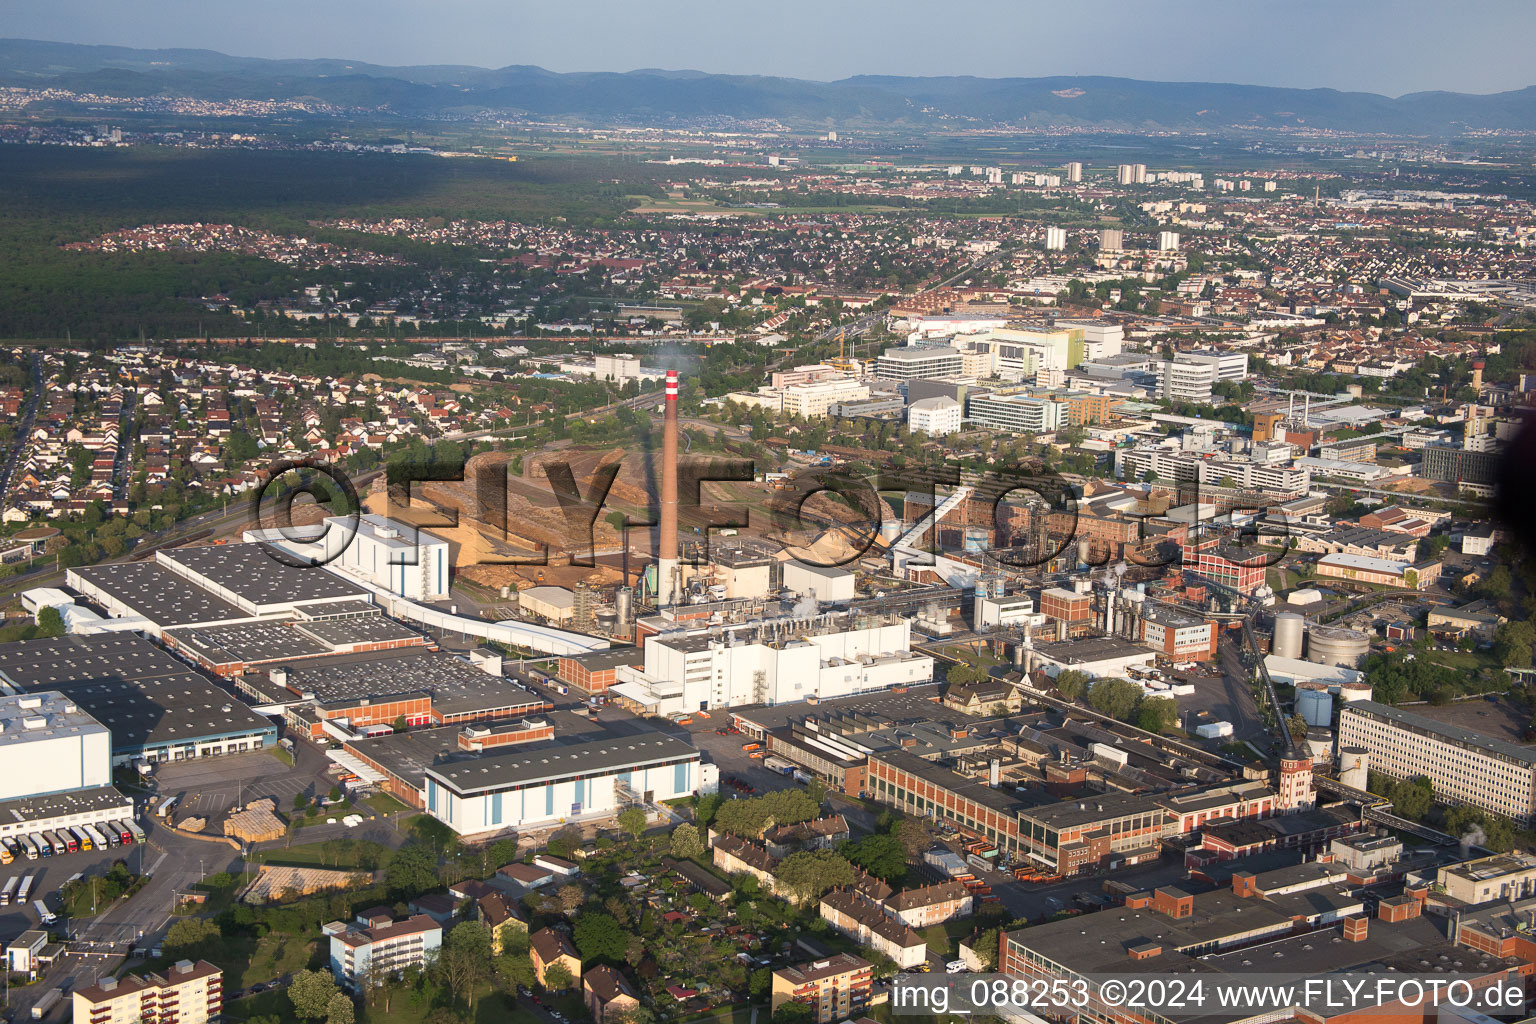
(1336, 645)
(1316, 706)
(624, 605)
(1354, 767)
(1289, 630)
(976, 538)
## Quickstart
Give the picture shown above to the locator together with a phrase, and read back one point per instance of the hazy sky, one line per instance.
(1386, 46)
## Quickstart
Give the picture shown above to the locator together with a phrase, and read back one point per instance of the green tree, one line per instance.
(1413, 799)
(517, 969)
(686, 842)
(881, 855)
(1071, 683)
(340, 1010)
(191, 934)
(1296, 725)
(633, 821)
(599, 937)
(310, 993)
(1157, 714)
(760, 984)
(805, 875)
(1513, 643)
(412, 869)
(465, 959)
(1116, 698)
(557, 977)
(49, 622)
(794, 1012)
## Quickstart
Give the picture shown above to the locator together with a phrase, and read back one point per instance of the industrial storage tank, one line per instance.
(1336, 645)
(1316, 706)
(1290, 628)
(1355, 767)
(624, 605)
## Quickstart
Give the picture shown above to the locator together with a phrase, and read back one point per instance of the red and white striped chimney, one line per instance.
(666, 544)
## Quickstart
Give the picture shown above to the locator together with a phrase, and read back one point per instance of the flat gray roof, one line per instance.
(57, 805)
(526, 767)
(146, 697)
(159, 594)
(262, 575)
(1444, 730)
(456, 686)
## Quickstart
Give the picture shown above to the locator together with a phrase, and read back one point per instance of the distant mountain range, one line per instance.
(648, 95)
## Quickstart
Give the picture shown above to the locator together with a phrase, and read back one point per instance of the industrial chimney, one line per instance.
(666, 544)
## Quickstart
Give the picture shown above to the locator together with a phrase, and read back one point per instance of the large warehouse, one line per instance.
(155, 707)
(215, 585)
(48, 745)
(529, 788)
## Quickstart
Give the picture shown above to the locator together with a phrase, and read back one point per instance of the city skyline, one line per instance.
(1308, 45)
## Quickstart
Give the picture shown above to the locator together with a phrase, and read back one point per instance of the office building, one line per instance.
(836, 988)
(1450, 463)
(1021, 414)
(375, 946)
(1381, 571)
(1465, 767)
(935, 417)
(919, 362)
(48, 745)
(187, 993)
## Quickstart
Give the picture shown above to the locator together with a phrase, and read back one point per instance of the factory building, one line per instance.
(408, 562)
(772, 662)
(529, 788)
(48, 745)
(1466, 767)
(827, 584)
(155, 706)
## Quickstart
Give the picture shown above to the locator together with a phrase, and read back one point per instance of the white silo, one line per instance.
(1316, 706)
(1354, 767)
(1289, 630)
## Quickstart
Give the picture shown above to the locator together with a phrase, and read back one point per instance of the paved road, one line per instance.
(24, 427)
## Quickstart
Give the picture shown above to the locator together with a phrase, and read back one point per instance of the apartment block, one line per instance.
(836, 988)
(376, 944)
(188, 993)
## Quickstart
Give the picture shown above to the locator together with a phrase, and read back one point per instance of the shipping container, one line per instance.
(8, 891)
(166, 807)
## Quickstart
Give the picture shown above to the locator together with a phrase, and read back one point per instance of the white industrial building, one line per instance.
(771, 662)
(528, 788)
(407, 562)
(48, 745)
(935, 417)
(1000, 612)
(826, 583)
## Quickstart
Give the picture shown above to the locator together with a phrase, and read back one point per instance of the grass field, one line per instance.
(384, 803)
(311, 855)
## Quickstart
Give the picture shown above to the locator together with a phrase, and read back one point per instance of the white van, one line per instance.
(956, 967)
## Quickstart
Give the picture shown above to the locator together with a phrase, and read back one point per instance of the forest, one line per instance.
(54, 195)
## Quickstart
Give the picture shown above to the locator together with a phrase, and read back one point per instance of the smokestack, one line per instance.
(666, 544)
